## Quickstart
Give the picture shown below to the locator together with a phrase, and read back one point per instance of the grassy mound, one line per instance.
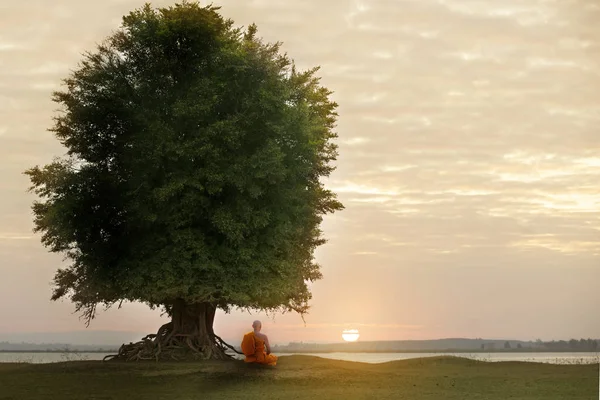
(300, 377)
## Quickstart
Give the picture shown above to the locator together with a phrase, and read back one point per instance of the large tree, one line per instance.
(192, 179)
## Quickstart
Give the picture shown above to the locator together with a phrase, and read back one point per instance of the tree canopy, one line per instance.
(193, 171)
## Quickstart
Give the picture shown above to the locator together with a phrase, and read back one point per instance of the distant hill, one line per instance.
(54, 347)
(442, 345)
(110, 340)
(59, 340)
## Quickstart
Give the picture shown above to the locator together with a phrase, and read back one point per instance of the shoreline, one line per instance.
(460, 351)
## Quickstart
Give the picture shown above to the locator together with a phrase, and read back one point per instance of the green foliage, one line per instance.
(194, 160)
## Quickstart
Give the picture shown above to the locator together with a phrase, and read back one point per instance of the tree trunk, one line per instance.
(193, 326)
(189, 336)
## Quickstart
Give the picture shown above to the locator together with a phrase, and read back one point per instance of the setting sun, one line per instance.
(350, 335)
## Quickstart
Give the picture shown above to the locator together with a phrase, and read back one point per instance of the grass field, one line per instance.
(300, 377)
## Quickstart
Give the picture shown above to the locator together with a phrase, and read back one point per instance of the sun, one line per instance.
(350, 335)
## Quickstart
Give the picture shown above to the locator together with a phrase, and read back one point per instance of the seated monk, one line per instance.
(256, 347)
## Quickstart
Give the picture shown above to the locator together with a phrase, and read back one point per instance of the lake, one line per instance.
(373, 358)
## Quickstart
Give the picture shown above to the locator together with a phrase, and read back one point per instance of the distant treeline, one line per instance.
(573, 345)
(396, 346)
(53, 348)
(444, 345)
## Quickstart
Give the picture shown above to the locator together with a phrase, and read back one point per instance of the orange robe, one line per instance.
(260, 355)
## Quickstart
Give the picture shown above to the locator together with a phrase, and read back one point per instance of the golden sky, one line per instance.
(469, 164)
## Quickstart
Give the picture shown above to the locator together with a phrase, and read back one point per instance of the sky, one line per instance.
(469, 165)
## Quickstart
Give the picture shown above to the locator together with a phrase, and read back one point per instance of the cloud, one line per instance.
(7, 236)
(468, 135)
(9, 46)
(356, 141)
(345, 325)
(44, 86)
(50, 68)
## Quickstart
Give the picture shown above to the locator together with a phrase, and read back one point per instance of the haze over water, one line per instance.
(469, 164)
(371, 358)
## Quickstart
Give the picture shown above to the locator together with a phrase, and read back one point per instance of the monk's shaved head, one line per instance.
(257, 325)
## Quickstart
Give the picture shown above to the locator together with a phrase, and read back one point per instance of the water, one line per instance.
(372, 358)
(43, 358)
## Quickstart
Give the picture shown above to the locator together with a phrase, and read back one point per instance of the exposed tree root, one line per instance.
(168, 345)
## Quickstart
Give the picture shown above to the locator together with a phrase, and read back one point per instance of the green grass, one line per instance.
(300, 377)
